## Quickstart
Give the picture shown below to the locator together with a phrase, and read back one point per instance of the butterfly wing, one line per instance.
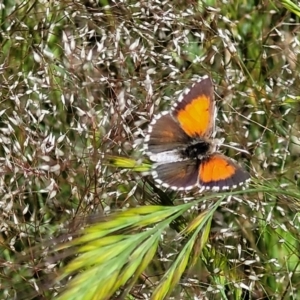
(195, 110)
(219, 172)
(164, 137)
(180, 175)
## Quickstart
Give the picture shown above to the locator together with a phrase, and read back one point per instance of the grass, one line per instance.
(80, 217)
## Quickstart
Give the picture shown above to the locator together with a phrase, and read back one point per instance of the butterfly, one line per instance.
(180, 143)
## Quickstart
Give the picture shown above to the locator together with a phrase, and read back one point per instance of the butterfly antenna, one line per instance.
(235, 148)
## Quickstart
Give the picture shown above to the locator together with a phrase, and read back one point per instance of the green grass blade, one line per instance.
(291, 6)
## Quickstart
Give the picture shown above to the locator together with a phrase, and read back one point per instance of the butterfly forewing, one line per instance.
(195, 110)
(165, 134)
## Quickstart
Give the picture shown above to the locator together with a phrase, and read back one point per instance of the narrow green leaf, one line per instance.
(195, 223)
(137, 262)
(291, 6)
(128, 163)
(174, 273)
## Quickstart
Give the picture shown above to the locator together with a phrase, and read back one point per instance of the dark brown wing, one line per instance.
(181, 175)
(164, 134)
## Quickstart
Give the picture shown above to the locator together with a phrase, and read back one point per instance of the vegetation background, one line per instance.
(80, 81)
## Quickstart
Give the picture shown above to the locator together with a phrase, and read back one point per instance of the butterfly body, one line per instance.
(180, 143)
(198, 150)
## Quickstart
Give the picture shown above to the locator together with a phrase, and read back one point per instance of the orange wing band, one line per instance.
(195, 118)
(216, 169)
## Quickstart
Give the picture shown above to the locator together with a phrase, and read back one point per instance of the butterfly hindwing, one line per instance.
(219, 172)
(180, 175)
